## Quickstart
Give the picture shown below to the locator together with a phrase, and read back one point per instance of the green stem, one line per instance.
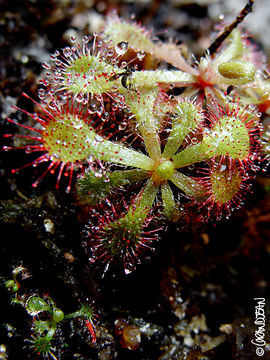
(167, 200)
(188, 185)
(145, 199)
(119, 154)
(192, 155)
(102, 149)
(187, 118)
(150, 78)
(141, 105)
(175, 139)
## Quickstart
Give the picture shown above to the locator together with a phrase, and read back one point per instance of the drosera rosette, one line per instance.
(95, 105)
(47, 320)
(158, 166)
(224, 62)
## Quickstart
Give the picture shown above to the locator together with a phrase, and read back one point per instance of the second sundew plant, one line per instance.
(131, 142)
(47, 318)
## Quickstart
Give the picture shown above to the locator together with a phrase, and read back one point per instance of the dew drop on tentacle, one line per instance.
(121, 48)
(99, 44)
(73, 39)
(80, 97)
(105, 116)
(67, 52)
(41, 93)
(123, 64)
(100, 110)
(110, 53)
(92, 108)
(140, 55)
(85, 39)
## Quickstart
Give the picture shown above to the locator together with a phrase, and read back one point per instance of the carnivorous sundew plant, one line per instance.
(46, 316)
(110, 120)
